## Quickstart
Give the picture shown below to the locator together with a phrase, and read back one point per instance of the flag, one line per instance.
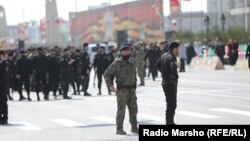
(174, 9)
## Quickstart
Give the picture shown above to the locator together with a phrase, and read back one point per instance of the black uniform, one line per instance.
(101, 63)
(248, 54)
(54, 74)
(12, 77)
(76, 70)
(66, 75)
(190, 54)
(233, 53)
(4, 88)
(85, 72)
(40, 64)
(220, 52)
(168, 67)
(23, 69)
(153, 55)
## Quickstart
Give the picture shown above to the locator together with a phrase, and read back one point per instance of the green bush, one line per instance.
(237, 33)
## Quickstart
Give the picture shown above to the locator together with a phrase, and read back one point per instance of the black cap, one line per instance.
(124, 47)
(11, 53)
(174, 45)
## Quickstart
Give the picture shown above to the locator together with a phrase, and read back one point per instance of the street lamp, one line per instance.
(223, 21)
(207, 23)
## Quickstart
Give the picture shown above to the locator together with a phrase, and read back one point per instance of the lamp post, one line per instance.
(223, 21)
(207, 23)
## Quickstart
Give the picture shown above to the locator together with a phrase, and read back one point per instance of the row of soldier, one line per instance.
(54, 70)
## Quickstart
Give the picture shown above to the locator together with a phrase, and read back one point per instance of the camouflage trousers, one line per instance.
(126, 97)
(141, 73)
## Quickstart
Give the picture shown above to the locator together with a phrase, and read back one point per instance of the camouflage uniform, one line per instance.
(140, 56)
(125, 73)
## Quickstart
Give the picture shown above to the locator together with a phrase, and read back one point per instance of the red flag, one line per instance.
(174, 3)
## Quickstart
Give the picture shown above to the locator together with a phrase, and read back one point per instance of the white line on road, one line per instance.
(151, 117)
(220, 95)
(225, 110)
(25, 126)
(197, 115)
(107, 119)
(68, 123)
(215, 83)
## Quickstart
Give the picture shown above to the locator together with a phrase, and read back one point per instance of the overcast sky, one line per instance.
(19, 10)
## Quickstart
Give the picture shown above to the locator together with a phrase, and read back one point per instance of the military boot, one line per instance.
(120, 131)
(134, 129)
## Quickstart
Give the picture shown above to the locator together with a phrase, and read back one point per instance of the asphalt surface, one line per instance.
(204, 97)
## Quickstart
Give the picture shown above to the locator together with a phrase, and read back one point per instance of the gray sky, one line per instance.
(19, 10)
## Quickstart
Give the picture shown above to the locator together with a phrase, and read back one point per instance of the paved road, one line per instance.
(204, 97)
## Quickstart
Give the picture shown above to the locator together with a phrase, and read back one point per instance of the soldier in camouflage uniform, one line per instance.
(124, 69)
(140, 57)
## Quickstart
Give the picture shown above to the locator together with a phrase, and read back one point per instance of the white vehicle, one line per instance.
(92, 50)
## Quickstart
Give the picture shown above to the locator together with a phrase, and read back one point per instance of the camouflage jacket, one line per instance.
(124, 71)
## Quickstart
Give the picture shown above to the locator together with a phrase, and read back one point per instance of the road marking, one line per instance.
(197, 115)
(107, 119)
(151, 117)
(68, 123)
(215, 82)
(220, 95)
(225, 110)
(25, 126)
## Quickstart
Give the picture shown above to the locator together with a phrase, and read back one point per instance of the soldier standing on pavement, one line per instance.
(124, 69)
(100, 65)
(54, 72)
(85, 69)
(23, 75)
(140, 60)
(40, 64)
(4, 88)
(66, 70)
(111, 59)
(168, 68)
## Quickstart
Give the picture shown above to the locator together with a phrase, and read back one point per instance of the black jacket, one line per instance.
(23, 66)
(4, 77)
(167, 65)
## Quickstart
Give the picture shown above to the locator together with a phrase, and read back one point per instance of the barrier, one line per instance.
(241, 65)
(213, 63)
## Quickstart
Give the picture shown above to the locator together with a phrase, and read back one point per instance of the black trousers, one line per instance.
(182, 69)
(66, 82)
(41, 82)
(99, 77)
(85, 83)
(3, 103)
(26, 81)
(170, 91)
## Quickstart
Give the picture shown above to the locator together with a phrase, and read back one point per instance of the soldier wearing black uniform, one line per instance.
(12, 74)
(153, 55)
(54, 72)
(4, 88)
(100, 65)
(23, 75)
(220, 50)
(85, 69)
(66, 64)
(76, 70)
(248, 53)
(40, 64)
(168, 67)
